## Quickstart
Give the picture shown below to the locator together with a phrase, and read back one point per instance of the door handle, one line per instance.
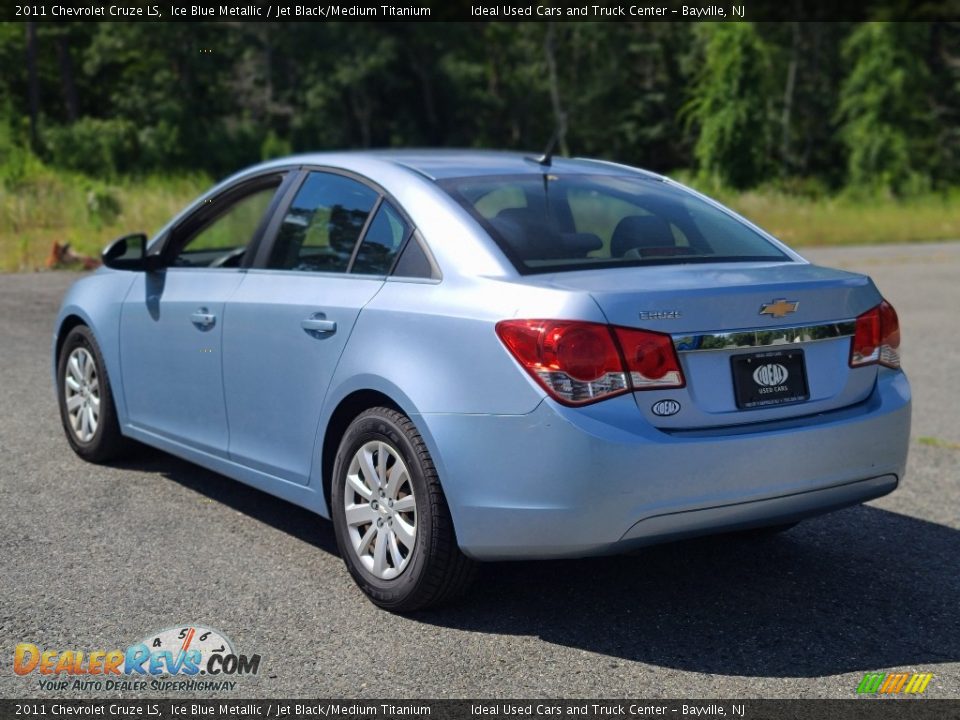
(203, 318)
(317, 325)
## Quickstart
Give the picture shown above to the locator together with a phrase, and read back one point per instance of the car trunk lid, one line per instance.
(756, 341)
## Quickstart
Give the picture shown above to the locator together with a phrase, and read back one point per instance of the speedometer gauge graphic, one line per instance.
(180, 640)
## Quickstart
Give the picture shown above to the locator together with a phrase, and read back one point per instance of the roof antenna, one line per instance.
(546, 160)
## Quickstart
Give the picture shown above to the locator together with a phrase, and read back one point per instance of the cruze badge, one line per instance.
(660, 315)
(665, 408)
(770, 375)
(779, 308)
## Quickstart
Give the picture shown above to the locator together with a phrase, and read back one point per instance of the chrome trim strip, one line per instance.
(762, 337)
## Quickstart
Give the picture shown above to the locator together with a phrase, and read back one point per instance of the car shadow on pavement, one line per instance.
(860, 589)
(273, 511)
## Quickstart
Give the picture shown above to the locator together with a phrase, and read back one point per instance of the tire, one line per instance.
(82, 374)
(376, 541)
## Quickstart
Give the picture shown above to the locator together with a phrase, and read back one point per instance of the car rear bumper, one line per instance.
(569, 482)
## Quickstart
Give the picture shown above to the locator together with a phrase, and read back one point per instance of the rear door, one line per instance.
(172, 320)
(288, 322)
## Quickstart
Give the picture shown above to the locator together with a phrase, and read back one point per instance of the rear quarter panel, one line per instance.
(437, 342)
(432, 347)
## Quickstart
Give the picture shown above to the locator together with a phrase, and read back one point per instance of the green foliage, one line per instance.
(274, 146)
(731, 105)
(883, 107)
(804, 105)
(103, 205)
(103, 148)
(17, 163)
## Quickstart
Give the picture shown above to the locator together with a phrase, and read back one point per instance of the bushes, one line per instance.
(103, 148)
(17, 163)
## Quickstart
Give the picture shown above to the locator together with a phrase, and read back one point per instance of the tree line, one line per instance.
(809, 107)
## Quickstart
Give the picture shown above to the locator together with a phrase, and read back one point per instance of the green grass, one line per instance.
(51, 206)
(801, 221)
(937, 442)
(58, 207)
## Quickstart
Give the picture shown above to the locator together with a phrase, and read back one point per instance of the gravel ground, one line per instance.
(98, 557)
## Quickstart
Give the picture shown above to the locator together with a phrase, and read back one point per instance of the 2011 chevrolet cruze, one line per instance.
(463, 356)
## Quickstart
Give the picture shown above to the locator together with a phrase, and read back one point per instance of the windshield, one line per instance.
(554, 222)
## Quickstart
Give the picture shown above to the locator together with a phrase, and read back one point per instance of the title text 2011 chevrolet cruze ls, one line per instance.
(463, 356)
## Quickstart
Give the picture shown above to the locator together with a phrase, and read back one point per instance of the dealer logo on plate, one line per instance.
(770, 375)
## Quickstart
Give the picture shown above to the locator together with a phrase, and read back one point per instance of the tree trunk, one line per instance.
(422, 72)
(33, 86)
(788, 93)
(559, 116)
(66, 77)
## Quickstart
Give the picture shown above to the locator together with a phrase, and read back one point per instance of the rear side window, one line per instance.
(414, 262)
(552, 222)
(383, 240)
(322, 226)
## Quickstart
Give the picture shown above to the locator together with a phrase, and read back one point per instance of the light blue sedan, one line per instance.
(461, 356)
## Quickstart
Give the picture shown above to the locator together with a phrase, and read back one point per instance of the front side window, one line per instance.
(222, 238)
(550, 222)
(322, 225)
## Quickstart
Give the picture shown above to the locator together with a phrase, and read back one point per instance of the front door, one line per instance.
(171, 324)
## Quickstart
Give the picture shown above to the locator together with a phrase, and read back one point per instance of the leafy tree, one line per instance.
(731, 104)
(943, 58)
(811, 104)
(886, 119)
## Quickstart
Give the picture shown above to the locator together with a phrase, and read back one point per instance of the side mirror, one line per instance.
(129, 253)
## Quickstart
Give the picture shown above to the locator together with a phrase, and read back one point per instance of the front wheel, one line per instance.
(86, 401)
(392, 523)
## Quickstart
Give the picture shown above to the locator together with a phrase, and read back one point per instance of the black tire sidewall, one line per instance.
(81, 336)
(378, 425)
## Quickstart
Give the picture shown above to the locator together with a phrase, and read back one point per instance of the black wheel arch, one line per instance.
(345, 412)
(66, 325)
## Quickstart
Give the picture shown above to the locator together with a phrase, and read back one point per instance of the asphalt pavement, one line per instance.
(100, 557)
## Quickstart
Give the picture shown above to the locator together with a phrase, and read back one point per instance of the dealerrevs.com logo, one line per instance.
(189, 651)
(894, 683)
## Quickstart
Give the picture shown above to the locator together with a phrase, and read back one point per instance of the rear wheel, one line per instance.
(86, 402)
(392, 523)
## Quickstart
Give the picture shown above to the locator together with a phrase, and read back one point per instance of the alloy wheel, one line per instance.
(380, 509)
(81, 389)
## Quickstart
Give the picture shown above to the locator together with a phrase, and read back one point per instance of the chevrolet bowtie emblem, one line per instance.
(779, 308)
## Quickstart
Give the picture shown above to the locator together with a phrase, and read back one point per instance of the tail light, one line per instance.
(582, 362)
(650, 359)
(876, 338)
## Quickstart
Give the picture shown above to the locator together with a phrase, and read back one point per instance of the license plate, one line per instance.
(765, 379)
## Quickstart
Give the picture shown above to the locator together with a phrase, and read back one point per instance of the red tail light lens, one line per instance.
(866, 339)
(889, 336)
(581, 362)
(876, 338)
(575, 362)
(650, 358)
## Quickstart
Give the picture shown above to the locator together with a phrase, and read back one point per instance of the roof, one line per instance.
(439, 164)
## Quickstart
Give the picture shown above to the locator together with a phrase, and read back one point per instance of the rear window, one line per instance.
(553, 222)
